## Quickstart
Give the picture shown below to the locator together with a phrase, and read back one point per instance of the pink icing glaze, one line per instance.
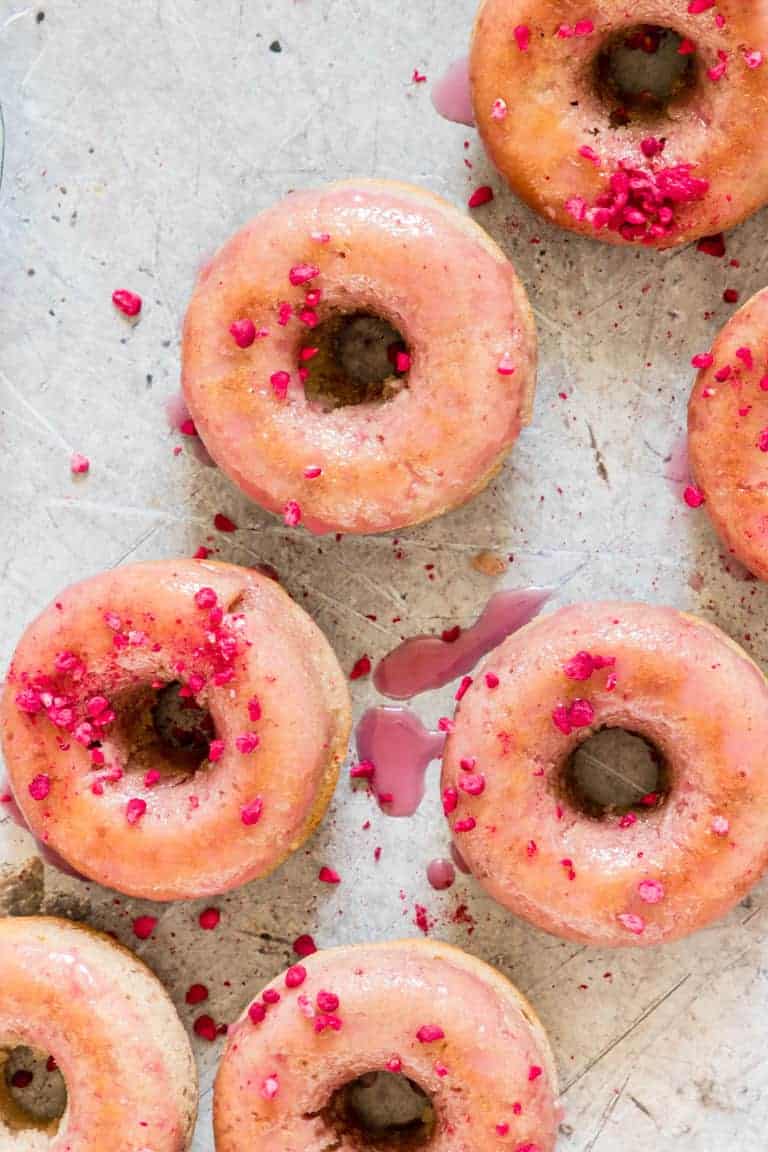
(423, 663)
(130, 1076)
(9, 808)
(184, 835)
(389, 995)
(391, 251)
(726, 431)
(680, 683)
(451, 96)
(401, 748)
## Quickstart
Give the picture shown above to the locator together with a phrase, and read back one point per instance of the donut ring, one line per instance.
(546, 121)
(398, 1007)
(655, 873)
(441, 431)
(113, 1032)
(728, 434)
(83, 759)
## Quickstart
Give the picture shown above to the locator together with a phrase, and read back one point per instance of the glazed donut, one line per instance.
(452, 1025)
(660, 870)
(440, 424)
(89, 770)
(563, 138)
(113, 1033)
(728, 434)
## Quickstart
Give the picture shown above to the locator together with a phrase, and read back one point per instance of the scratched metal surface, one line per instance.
(138, 137)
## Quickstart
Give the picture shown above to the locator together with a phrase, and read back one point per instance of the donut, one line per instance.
(283, 417)
(219, 796)
(728, 434)
(658, 869)
(589, 155)
(112, 1032)
(417, 1011)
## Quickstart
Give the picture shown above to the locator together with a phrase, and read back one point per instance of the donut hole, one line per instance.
(615, 771)
(33, 1094)
(640, 73)
(381, 1110)
(159, 728)
(356, 361)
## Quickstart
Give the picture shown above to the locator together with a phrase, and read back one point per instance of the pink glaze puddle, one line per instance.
(451, 94)
(176, 412)
(9, 807)
(424, 663)
(676, 466)
(400, 747)
(441, 874)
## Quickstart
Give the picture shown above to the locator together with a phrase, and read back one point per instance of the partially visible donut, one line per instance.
(728, 434)
(87, 767)
(570, 148)
(113, 1033)
(678, 857)
(446, 1021)
(281, 419)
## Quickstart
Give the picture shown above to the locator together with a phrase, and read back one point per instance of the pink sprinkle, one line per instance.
(687, 47)
(534, 1072)
(428, 1033)
(502, 1129)
(188, 427)
(328, 875)
(581, 714)
(720, 826)
(473, 784)
(753, 59)
(463, 688)
(292, 514)
(361, 668)
(312, 471)
(693, 496)
(247, 743)
(79, 464)
(254, 709)
(196, 994)
(531, 849)
(523, 37)
(280, 382)
(402, 361)
(303, 273)
(481, 195)
(627, 820)
(580, 667)
(126, 302)
(327, 1001)
(394, 1064)
(151, 778)
(223, 523)
(632, 923)
(418, 77)
(270, 996)
(718, 71)
(295, 976)
(450, 800)
(745, 355)
(589, 154)
(309, 317)
(304, 946)
(205, 1028)
(576, 206)
(135, 809)
(499, 109)
(762, 440)
(695, 7)
(284, 313)
(313, 297)
(40, 786)
(703, 360)
(205, 598)
(468, 763)
(270, 1087)
(650, 891)
(209, 919)
(468, 824)
(243, 332)
(583, 28)
(251, 813)
(365, 770)
(325, 1020)
(505, 367)
(144, 926)
(215, 750)
(651, 146)
(257, 1012)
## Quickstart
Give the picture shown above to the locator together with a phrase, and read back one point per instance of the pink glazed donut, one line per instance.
(453, 1026)
(114, 1034)
(728, 433)
(261, 370)
(90, 770)
(682, 856)
(584, 155)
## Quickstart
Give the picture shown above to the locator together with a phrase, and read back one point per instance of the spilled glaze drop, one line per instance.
(400, 747)
(441, 874)
(676, 464)
(423, 663)
(451, 95)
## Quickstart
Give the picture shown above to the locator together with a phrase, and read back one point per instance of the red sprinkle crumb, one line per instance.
(463, 688)
(327, 1001)
(303, 273)
(418, 77)
(40, 786)
(257, 1012)
(712, 245)
(361, 667)
(450, 800)
(522, 37)
(126, 302)
(731, 296)
(491, 680)
(144, 926)
(223, 523)
(428, 1033)
(328, 875)
(209, 919)
(481, 195)
(365, 770)
(251, 813)
(468, 824)
(394, 1064)
(633, 924)
(205, 1028)
(534, 1072)
(135, 809)
(196, 994)
(243, 332)
(295, 976)
(693, 496)
(292, 514)
(79, 464)
(304, 946)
